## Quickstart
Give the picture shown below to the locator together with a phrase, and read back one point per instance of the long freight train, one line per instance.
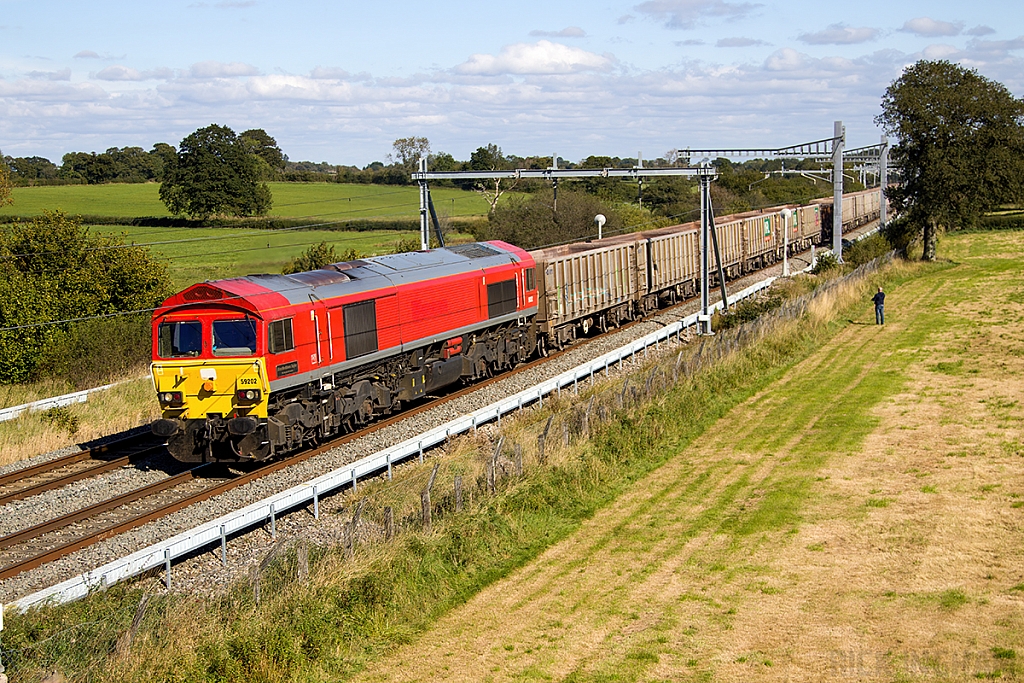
(254, 366)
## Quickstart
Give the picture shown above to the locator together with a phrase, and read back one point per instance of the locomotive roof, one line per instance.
(261, 292)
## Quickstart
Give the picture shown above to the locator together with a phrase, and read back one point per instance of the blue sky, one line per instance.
(339, 81)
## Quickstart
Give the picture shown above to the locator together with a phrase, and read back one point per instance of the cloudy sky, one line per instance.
(338, 81)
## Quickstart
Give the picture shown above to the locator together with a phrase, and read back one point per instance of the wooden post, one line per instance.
(389, 523)
(541, 458)
(354, 523)
(302, 571)
(494, 461)
(586, 416)
(124, 641)
(425, 499)
(458, 493)
(425, 509)
(349, 540)
(675, 370)
(565, 433)
(519, 460)
(490, 476)
(254, 577)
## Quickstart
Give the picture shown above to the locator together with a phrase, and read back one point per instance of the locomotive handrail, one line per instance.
(216, 531)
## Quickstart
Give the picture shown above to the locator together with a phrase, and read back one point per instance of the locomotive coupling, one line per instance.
(165, 428)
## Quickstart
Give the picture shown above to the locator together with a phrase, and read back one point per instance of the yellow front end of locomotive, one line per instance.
(197, 389)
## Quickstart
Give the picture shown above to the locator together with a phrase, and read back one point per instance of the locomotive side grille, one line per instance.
(501, 298)
(360, 328)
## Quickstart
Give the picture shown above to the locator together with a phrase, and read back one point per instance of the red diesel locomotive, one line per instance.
(252, 366)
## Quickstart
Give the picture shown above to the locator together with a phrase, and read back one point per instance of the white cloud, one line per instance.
(567, 32)
(542, 57)
(739, 42)
(786, 59)
(940, 51)
(221, 70)
(839, 34)
(625, 19)
(62, 75)
(87, 54)
(124, 73)
(930, 28)
(997, 46)
(686, 13)
(980, 30)
(689, 42)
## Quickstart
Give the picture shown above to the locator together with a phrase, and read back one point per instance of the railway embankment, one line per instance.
(331, 596)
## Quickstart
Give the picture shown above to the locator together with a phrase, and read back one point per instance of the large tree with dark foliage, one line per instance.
(959, 149)
(215, 172)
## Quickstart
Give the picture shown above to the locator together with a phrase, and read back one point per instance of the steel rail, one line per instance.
(71, 458)
(87, 473)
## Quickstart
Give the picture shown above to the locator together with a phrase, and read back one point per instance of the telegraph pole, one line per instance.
(706, 173)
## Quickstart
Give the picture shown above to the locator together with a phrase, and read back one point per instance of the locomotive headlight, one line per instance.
(248, 395)
(171, 397)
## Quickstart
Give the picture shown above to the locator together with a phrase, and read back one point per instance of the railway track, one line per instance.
(45, 542)
(59, 472)
(48, 541)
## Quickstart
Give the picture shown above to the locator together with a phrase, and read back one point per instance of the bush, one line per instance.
(318, 256)
(867, 249)
(52, 272)
(532, 222)
(93, 352)
(824, 262)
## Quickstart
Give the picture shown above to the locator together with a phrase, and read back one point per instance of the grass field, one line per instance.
(317, 201)
(196, 254)
(838, 501)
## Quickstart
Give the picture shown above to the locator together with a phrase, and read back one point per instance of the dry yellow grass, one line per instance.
(127, 405)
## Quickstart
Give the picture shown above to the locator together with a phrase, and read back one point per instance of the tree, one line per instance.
(406, 152)
(214, 173)
(490, 158)
(258, 142)
(959, 146)
(5, 184)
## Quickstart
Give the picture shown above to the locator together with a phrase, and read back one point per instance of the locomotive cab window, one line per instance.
(234, 337)
(180, 339)
(281, 339)
(531, 279)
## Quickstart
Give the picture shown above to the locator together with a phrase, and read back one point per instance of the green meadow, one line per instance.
(320, 201)
(197, 254)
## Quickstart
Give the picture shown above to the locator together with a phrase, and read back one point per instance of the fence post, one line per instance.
(565, 433)
(254, 578)
(389, 523)
(425, 499)
(302, 562)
